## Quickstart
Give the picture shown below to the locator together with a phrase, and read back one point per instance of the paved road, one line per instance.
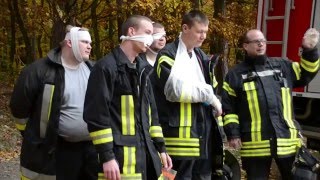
(9, 170)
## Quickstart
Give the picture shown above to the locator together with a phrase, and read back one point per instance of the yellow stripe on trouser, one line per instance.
(27, 174)
(185, 120)
(287, 111)
(46, 108)
(127, 115)
(21, 123)
(253, 103)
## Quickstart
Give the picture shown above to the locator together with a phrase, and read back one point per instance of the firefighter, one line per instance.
(128, 138)
(258, 108)
(185, 99)
(47, 102)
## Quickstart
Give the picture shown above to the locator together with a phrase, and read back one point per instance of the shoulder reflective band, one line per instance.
(230, 118)
(185, 120)
(229, 90)
(127, 115)
(156, 131)
(27, 174)
(46, 108)
(287, 111)
(102, 136)
(164, 59)
(309, 66)
(254, 109)
(21, 123)
(297, 70)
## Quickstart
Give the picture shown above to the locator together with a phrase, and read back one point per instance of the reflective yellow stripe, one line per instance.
(255, 152)
(256, 144)
(162, 59)
(129, 160)
(185, 120)
(253, 103)
(155, 131)
(230, 118)
(286, 150)
(287, 110)
(214, 80)
(101, 176)
(46, 108)
(220, 122)
(21, 123)
(230, 91)
(297, 70)
(102, 136)
(309, 66)
(178, 151)
(127, 115)
(193, 142)
(21, 127)
(137, 176)
(150, 116)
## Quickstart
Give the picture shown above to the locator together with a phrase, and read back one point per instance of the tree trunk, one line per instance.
(29, 52)
(96, 49)
(12, 40)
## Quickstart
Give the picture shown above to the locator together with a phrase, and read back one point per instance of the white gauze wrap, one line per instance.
(157, 36)
(75, 36)
(145, 39)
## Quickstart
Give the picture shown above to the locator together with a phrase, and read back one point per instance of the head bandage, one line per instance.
(157, 36)
(145, 39)
(75, 36)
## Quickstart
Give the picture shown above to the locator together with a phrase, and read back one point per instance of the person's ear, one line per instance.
(185, 27)
(131, 31)
(69, 44)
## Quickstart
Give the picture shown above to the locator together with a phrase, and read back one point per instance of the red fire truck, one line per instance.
(284, 23)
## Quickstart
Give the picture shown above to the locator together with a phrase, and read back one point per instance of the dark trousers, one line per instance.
(191, 170)
(76, 161)
(258, 168)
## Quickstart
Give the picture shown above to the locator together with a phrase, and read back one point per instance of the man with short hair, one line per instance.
(125, 132)
(185, 99)
(47, 102)
(257, 101)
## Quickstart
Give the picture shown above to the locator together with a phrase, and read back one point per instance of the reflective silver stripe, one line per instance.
(27, 174)
(127, 115)
(21, 120)
(261, 73)
(46, 108)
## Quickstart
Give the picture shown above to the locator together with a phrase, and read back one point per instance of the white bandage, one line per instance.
(145, 39)
(75, 36)
(157, 36)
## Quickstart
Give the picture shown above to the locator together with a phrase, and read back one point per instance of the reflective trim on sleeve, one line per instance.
(155, 131)
(46, 108)
(101, 176)
(185, 120)
(230, 118)
(27, 174)
(297, 70)
(309, 66)
(253, 103)
(127, 115)
(287, 111)
(129, 160)
(220, 121)
(101, 136)
(230, 91)
(162, 59)
(21, 123)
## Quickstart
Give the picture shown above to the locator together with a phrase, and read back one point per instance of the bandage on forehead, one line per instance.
(157, 36)
(80, 34)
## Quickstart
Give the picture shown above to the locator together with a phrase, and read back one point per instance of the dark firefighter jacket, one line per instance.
(257, 102)
(186, 126)
(118, 112)
(35, 103)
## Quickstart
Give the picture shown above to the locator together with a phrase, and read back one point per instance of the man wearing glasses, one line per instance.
(257, 102)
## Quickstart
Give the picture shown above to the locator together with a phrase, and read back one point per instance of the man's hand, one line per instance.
(310, 38)
(166, 161)
(235, 143)
(111, 170)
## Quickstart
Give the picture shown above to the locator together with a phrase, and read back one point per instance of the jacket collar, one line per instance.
(54, 55)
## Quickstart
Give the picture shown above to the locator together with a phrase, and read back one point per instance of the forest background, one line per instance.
(30, 28)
